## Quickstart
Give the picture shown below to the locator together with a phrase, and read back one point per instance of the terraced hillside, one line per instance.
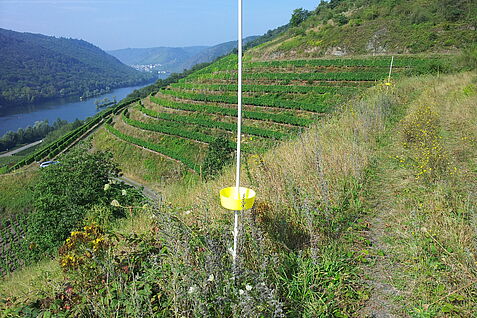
(281, 98)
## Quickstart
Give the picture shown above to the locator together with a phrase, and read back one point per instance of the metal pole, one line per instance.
(239, 94)
(239, 131)
(390, 69)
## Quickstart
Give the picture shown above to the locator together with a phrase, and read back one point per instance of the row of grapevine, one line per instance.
(224, 111)
(206, 122)
(154, 147)
(265, 101)
(177, 129)
(230, 62)
(371, 63)
(12, 249)
(287, 89)
(169, 128)
(324, 76)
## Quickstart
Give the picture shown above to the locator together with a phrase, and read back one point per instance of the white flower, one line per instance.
(241, 292)
(123, 192)
(188, 212)
(107, 186)
(115, 203)
(192, 289)
(248, 287)
(211, 278)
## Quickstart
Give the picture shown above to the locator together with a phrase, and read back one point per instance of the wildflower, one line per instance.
(248, 287)
(115, 203)
(123, 192)
(107, 186)
(241, 292)
(188, 212)
(211, 278)
(192, 289)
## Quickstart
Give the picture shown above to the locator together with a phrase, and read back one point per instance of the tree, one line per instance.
(218, 155)
(452, 10)
(63, 194)
(340, 19)
(298, 16)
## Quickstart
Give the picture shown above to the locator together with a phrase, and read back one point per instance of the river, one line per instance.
(69, 108)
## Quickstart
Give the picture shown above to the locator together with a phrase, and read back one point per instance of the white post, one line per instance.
(239, 131)
(390, 69)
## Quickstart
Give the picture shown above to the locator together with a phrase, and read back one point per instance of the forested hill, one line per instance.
(36, 67)
(175, 59)
(211, 53)
(156, 55)
(347, 27)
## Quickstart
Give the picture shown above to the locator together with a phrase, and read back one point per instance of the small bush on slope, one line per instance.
(63, 194)
(218, 155)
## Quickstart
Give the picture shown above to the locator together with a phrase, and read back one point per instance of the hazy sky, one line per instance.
(116, 24)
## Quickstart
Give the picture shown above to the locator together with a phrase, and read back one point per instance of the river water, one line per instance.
(69, 108)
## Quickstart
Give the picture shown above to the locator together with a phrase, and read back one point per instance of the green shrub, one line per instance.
(218, 155)
(63, 194)
(340, 19)
(3, 169)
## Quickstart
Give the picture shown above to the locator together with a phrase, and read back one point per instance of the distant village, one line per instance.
(150, 68)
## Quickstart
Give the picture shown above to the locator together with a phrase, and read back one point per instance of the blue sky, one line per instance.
(116, 24)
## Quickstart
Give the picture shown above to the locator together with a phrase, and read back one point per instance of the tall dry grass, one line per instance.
(431, 194)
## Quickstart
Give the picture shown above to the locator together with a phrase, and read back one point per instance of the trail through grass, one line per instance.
(422, 221)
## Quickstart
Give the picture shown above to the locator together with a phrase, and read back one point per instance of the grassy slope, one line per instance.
(422, 198)
(145, 166)
(313, 194)
(16, 193)
(272, 175)
(366, 27)
(350, 157)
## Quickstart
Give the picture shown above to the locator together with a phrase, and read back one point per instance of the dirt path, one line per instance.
(381, 268)
(11, 153)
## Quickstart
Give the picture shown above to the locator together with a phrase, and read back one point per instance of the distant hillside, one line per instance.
(175, 59)
(36, 67)
(211, 53)
(345, 27)
(167, 56)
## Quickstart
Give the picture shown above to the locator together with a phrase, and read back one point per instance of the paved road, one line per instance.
(11, 153)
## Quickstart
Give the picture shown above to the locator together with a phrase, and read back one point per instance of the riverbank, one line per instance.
(70, 109)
